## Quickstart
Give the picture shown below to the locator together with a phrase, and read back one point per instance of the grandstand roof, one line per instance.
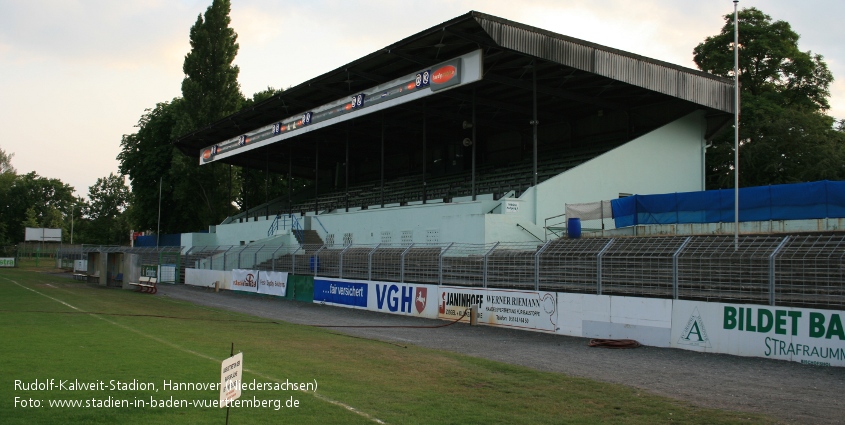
(576, 81)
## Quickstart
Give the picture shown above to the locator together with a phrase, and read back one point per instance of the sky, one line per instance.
(76, 75)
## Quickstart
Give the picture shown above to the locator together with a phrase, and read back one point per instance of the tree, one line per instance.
(147, 157)
(6, 162)
(42, 195)
(7, 177)
(210, 88)
(784, 131)
(109, 198)
(193, 196)
(210, 91)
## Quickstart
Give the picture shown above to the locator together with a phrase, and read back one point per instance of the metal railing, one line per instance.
(286, 221)
(792, 270)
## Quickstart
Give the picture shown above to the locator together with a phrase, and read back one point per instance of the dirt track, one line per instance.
(789, 391)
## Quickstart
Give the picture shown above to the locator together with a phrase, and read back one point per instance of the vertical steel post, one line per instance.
(486, 255)
(290, 180)
(382, 160)
(317, 177)
(340, 262)
(440, 263)
(534, 122)
(598, 266)
(473, 144)
(772, 269)
(402, 264)
(346, 170)
(425, 158)
(293, 259)
(273, 257)
(736, 127)
(255, 257)
(370, 262)
(537, 265)
(316, 258)
(675, 267)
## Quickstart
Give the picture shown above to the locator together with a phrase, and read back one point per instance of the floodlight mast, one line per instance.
(736, 128)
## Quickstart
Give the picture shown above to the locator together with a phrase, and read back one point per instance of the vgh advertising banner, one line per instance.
(530, 310)
(808, 336)
(272, 283)
(245, 280)
(404, 298)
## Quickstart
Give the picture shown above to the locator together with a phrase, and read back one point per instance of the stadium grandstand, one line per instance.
(477, 130)
(439, 173)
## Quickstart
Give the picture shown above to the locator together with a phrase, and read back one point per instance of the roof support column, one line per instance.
(290, 178)
(317, 177)
(534, 122)
(424, 158)
(473, 143)
(382, 160)
(346, 169)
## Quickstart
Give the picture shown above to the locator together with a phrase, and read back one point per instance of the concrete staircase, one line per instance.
(308, 237)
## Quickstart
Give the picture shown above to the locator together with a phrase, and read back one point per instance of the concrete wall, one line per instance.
(450, 222)
(666, 160)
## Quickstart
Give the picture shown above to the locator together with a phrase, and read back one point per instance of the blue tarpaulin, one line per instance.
(798, 201)
(164, 240)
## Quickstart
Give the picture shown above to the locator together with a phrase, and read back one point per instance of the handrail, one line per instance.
(529, 232)
(274, 226)
(296, 226)
(321, 224)
(548, 228)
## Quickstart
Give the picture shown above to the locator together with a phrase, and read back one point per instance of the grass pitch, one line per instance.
(58, 329)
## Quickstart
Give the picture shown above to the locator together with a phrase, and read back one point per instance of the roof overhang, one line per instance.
(571, 78)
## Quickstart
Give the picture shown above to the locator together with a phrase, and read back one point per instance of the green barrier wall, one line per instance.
(300, 288)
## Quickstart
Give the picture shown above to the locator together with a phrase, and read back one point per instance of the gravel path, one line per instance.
(788, 391)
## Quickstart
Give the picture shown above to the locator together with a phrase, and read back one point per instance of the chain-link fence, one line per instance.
(794, 270)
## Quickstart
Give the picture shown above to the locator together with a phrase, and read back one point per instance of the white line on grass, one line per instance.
(186, 350)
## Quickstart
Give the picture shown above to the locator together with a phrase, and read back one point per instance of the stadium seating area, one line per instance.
(490, 179)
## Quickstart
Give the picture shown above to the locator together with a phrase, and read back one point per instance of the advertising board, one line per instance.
(340, 292)
(809, 336)
(245, 280)
(531, 310)
(404, 298)
(272, 283)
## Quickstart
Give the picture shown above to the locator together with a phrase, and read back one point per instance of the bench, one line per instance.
(80, 276)
(146, 285)
(95, 276)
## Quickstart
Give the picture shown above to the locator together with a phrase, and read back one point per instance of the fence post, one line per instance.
(675, 267)
(370, 262)
(293, 259)
(225, 253)
(440, 264)
(273, 258)
(486, 255)
(402, 264)
(772, 269)
(598, 265)
(537, 265)
(255, 257)
(316, 258)
(340, 262)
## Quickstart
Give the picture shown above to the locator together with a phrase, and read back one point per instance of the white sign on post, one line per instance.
(231, 372)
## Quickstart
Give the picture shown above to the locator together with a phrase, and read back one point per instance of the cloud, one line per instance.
(109, 34)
